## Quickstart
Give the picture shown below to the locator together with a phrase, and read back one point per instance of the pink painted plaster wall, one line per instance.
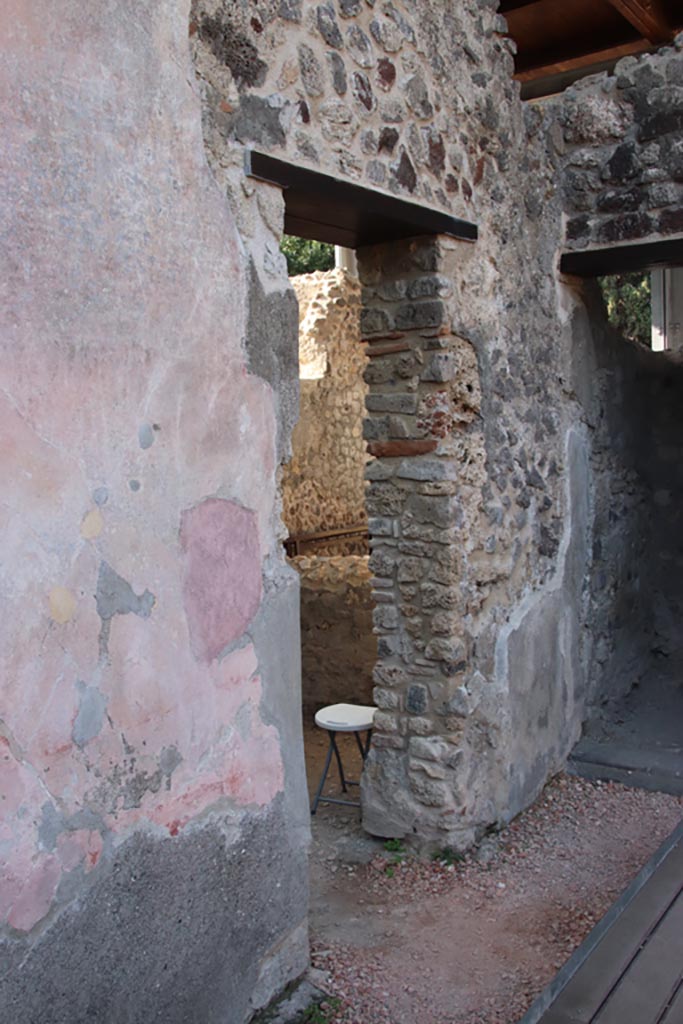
(136, 453)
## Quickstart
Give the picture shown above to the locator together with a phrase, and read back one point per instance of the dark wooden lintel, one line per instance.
(621, 259)
(328, 209)
(647, 16)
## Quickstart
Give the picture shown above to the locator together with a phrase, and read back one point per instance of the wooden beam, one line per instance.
(647, 16)
(552, 62)
(329, 209)
(619, 259)
(509, 6)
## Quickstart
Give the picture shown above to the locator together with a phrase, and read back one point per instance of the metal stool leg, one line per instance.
(333, 742)
(328, 759)
(367, 743)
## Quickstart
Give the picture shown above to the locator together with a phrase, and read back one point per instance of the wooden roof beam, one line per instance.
(647, 16)
(555, 62)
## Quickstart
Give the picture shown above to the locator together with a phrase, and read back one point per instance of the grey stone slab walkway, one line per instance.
(630, 968)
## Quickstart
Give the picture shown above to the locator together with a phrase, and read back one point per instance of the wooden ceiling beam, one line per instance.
(551, 63)
(509, 6)
(647, 16)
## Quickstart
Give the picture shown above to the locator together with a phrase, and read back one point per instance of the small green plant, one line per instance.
(448, 856)
(398, 854)
(321, 1013)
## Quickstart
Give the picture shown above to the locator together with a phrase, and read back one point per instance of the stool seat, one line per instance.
(353, 718)
(345, 718)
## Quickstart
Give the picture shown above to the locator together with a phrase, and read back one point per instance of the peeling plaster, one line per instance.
(91, 713)
(115, 596)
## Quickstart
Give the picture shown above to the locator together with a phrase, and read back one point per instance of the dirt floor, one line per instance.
(472, 941)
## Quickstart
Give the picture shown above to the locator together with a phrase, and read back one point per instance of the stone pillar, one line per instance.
(423, 389)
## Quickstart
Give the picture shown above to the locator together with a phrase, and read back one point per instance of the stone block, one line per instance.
(416, 315)
(427, 469)
(416, 699)
(391, 402)
(428, 791)
(382, 526)
(430, 768)
(389, 675)
(385, 617)
(431, 748)
(385, 722)
(386, 700)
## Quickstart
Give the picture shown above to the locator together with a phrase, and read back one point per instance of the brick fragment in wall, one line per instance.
(396, 449)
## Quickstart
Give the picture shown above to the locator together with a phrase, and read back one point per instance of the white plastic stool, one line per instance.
(355, 718)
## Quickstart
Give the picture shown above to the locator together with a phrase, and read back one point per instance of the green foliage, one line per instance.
(398, 854)
(304, 256)
(448, 856)
(320, 1013)
(628, 301)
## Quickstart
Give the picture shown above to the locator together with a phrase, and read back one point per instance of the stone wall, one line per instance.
(323, 485)
(375, 93)
(481, 487)
(338, 646)
(622, 174)
(470, 425)
(154, 820)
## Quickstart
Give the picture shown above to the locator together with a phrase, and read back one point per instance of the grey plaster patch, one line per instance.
(91, 711)
(232, 897)
(537, 658)
(272, 345)
(51, 824)
(115, 596)
(145, 435)
(258, 120)
(169, 759)
(276, 636)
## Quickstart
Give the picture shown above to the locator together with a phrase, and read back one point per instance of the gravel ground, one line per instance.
(474, 940)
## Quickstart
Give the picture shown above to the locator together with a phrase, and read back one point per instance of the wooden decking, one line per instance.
(630, 969)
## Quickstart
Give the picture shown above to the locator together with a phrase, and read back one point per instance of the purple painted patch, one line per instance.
(222, 584)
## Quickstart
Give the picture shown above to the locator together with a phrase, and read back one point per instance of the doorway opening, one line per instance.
(634, 729)
(323, 499)
(647, 306)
